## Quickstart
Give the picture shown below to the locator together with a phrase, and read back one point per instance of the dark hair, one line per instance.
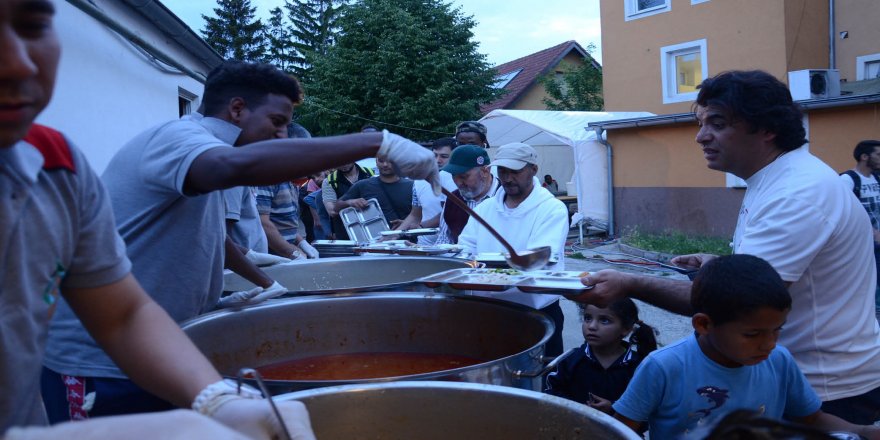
(864, 147)
(445, 142)
(745, 424)
(643, 336)
(473, 127)
(295, 130)
(760, 100)
(252, 82)
(548, 178)
(730, 287)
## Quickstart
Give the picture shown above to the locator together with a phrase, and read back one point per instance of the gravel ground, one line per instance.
(672, 327)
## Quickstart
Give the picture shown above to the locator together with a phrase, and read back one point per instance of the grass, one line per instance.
(677, 243)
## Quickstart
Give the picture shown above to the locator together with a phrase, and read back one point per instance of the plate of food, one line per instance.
(476, 279)
(554, 281)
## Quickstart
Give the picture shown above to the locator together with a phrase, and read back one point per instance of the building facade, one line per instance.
(656, 52)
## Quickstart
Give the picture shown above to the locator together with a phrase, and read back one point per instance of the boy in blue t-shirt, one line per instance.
(731, 363)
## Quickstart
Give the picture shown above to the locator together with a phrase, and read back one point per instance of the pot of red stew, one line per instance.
(429, 410)
(326, 340)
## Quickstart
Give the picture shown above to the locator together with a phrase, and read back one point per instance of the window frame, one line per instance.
(667, 69)
(631, 11)
(862, 61)
(185, 101)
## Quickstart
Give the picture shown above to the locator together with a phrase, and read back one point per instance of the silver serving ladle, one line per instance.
(262, 386)
(531, 259)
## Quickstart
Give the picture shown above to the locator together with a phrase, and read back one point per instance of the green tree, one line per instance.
(579, 88)
(234, 33)
(405, 63)
(314, 30)
(280, 50)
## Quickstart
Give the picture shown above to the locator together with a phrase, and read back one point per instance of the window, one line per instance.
(643, 8)
(185, 99)
(682, 68)
(693, 2)
(868, 67)
(501, 81)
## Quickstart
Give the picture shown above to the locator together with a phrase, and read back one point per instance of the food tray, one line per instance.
(410, 232)
(558, 282)
(475, 279)
(497, 259)
(398, 247)
(422, 250)
(364, 226)
(542, 281)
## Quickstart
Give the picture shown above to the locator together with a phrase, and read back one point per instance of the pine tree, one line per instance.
(279, 42)
(234, 33)
(410, 63)
(314, 30)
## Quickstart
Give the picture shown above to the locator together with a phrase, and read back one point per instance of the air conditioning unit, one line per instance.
(814, 84)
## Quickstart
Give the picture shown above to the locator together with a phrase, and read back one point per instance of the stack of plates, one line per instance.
(334, 248)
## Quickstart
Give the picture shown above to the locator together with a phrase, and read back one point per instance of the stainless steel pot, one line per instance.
(350, 274)
(447, 410)
(509, 337)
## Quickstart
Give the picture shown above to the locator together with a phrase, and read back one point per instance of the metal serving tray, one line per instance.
(497, 259)
(364, 226)
(475, 279)
(543, 281)
(410, 232)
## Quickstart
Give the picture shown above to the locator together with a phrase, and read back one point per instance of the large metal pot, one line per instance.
(509, 337)
(350, 274)
(447, 410)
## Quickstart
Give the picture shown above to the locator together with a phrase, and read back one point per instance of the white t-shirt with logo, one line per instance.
(869, 195)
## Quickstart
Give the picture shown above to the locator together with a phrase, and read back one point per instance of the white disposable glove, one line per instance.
(251, 414)
(255, 418)
(410, 159)
(167, 425)
(310, 251)
(253, 296)
(261, 259)
(298, 255)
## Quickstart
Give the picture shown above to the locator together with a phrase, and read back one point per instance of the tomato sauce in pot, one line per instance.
(352, 366)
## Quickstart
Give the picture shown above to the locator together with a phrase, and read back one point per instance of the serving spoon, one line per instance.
(531, 259)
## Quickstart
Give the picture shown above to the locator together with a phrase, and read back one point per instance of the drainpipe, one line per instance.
(97, 14)
(832, 41)
(599, 137)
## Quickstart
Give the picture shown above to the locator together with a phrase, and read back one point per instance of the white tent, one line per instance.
(566, 150)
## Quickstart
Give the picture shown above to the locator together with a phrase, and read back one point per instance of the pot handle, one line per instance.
(519, 374)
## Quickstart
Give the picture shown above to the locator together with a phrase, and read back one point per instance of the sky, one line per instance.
(506, 29)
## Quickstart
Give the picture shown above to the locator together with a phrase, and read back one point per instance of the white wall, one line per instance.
(107, 91)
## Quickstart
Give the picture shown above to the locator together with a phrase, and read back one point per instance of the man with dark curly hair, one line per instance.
(799, 217)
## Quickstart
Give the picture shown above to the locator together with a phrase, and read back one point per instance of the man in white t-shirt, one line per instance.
(862, 181)
(427, 206)
(798, 217)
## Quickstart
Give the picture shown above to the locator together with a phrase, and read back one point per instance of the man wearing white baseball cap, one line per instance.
(528, 216)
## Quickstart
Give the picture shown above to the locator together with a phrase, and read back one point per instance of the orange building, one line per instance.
(656, 52)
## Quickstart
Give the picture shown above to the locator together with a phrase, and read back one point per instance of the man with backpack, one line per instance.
(864, 182)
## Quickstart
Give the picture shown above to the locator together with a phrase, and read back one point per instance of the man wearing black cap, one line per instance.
(469, 166)
(527, 216)
(471, 133)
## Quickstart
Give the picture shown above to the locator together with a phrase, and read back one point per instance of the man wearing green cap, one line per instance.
(527, 216)
(469, 166)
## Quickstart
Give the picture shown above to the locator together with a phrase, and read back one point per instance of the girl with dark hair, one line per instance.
(598, 372)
